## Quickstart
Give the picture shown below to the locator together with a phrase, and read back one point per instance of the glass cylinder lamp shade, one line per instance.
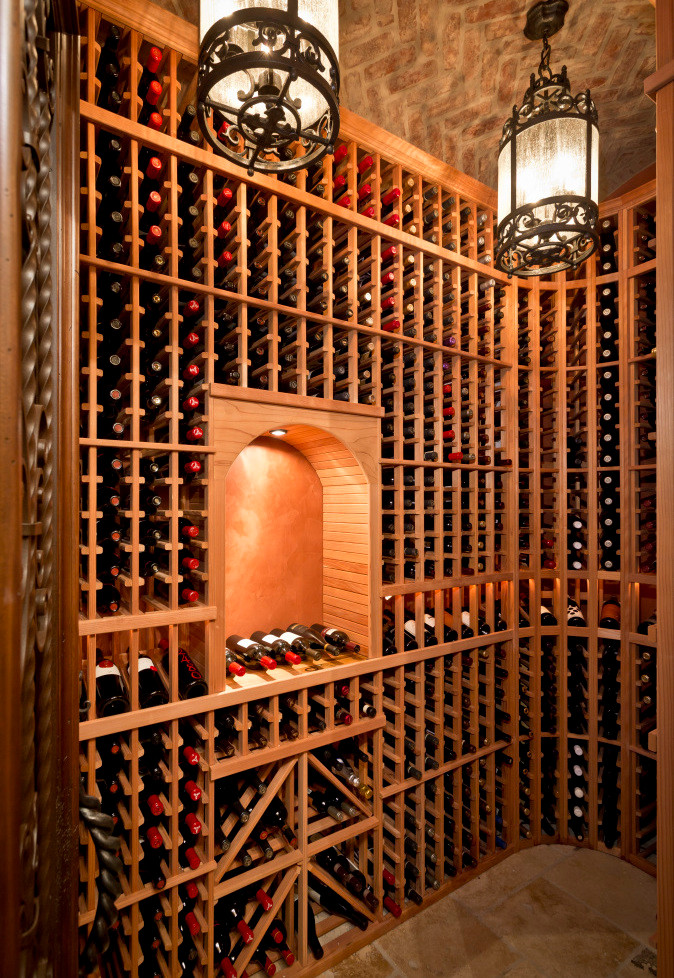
(269, 81)
(548, 169)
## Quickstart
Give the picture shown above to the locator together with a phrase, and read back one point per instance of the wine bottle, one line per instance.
(334, 904)
(111, 693)
(314, 638)
(278, 646)
(338, 638)
(252, 653)
(312, 937)
(191, 683)
(151, 689)
(275, 939)
(294, 641)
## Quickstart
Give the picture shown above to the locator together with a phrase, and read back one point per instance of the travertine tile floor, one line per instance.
(548, 912)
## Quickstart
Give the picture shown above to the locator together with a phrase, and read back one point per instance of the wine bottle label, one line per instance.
(146, 663)
(271, 639)
(411, 628)
(429, 620)
(289, 637)
(107, 668)
(330, 631)
(465, 618)
(246, 642)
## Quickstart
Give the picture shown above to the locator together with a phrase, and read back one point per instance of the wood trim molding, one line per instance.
(11, 128)
(665, 479)
(65, 190)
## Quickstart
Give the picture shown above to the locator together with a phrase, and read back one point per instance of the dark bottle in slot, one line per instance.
(111, 694)
(151, 689)
(191, 683)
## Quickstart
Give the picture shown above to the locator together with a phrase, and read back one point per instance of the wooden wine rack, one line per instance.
(454, 536)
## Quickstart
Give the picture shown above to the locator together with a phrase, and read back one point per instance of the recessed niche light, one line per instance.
(279, 432)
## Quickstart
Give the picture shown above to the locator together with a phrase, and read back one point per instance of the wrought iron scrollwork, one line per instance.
(109, 888)
(267, 116)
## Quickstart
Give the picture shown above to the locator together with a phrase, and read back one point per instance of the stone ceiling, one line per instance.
(444, 75)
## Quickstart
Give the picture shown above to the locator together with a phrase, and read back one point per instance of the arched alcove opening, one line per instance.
(294, 520)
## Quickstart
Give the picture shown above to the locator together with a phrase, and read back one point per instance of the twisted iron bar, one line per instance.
(108, 885)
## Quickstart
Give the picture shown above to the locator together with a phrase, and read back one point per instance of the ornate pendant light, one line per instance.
(269, 78)
(548, 167)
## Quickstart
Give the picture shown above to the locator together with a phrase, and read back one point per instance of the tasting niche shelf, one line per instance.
(308, 543)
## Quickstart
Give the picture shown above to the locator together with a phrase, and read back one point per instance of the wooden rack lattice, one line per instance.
(405, 321)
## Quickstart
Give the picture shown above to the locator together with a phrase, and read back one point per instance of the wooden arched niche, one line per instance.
(295, 520)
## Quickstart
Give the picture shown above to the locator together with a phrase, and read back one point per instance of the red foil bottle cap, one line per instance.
(341, 153)
(153, 201)
(365, 164)
(191, 339)
(287, 956)
(347, 719)
(160, 883)
(393, 220)
(153, 59)
(364, 191)
(224, 229)
(191, 372)
(163, 643)
(389, 878)
(391, 195)
(191, 756)
(190, 563)
(191, 308)
(192, 467)
(154, 803)
(191, 403)
(153, 92)
(192, 890)
(223, 129)
(193, 791)
(293, 658)
(368, 212)
(245, 931)
(264, 899)
(225, 258)
(269, 967)
(236, 669)
(344, 201)
(227, 968)
(388, 303)
(189, 531)
(153, 236)
(391, 327)
(154, 837)
(192, 858)
(267, 662)
(224, 196)
(155, 121)
(154, 168)
(392, 906)
(389, 252)
(195, 434)
(192, 923)
(277, 936)
(339, 182)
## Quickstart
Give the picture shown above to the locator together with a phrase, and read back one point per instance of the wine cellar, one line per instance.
(310, 398)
